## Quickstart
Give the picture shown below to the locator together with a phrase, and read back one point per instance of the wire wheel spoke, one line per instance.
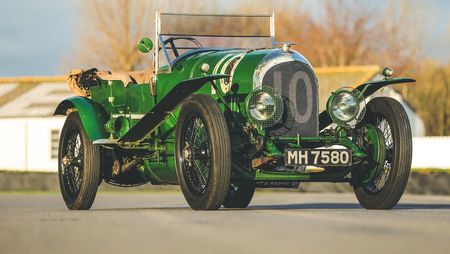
(196, 159)
(72, 162)
(198, 170)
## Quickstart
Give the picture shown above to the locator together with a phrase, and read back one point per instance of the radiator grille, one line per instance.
(297, 84)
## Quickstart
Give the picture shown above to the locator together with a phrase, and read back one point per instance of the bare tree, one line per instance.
(338, 37)
(401, 31)
(430, 96)
(109, 30)
(352, 32)
(346, 32)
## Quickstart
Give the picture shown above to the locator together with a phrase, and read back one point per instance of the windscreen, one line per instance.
(231, 31)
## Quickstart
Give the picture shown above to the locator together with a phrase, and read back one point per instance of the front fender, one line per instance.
(92, 115)
(367, 89)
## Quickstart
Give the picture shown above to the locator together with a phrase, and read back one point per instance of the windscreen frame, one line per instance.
(159, 36)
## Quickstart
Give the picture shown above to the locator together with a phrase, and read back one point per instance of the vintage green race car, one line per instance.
(222, 121)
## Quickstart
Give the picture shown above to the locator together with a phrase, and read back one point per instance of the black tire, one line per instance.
(386, 189)
(78, 165)
(240, 194)
(204, 163)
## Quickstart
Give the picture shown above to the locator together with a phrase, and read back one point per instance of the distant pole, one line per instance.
(445, 113)
(26, 147)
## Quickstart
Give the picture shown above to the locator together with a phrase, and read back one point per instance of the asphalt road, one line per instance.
(275, 223)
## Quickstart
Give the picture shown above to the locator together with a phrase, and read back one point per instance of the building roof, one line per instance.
(32, 96)
(39, 96)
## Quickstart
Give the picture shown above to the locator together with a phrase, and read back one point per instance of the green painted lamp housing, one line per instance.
(145, 45)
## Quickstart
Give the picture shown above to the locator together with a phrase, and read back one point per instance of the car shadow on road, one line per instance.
(304, 206)
(171, 208)
(345, 206)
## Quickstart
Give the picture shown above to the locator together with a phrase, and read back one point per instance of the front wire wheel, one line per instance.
(386, 188)
(203, 153)
(196, 149)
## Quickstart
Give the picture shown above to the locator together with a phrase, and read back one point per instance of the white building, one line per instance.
(29, 133)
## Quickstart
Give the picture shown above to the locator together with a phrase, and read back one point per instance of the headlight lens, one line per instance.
(346, 107)
(264, 106)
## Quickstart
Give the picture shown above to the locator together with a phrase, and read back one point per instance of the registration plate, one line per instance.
(318, 157)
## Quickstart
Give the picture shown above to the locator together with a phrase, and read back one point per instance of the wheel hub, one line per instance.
(67, 160)
(187, 155)
(373, 143)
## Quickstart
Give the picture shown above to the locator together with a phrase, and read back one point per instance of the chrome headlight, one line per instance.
(264, 106)
(346, 107)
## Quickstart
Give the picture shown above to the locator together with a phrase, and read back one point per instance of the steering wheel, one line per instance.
(172, 40)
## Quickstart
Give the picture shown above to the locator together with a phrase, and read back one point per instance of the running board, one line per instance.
(105, 141)
(113, 143)
(165, 107)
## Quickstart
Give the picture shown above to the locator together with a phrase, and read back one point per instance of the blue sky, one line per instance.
(36, 37)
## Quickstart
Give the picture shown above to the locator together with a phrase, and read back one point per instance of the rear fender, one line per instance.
(92, 115)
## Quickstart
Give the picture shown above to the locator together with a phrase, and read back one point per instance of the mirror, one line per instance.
(145, 45)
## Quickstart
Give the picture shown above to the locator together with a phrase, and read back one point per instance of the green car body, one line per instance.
(135, 124)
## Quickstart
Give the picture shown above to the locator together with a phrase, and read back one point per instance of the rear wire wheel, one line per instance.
(78, 165)
(203, 153)
(387, 187)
